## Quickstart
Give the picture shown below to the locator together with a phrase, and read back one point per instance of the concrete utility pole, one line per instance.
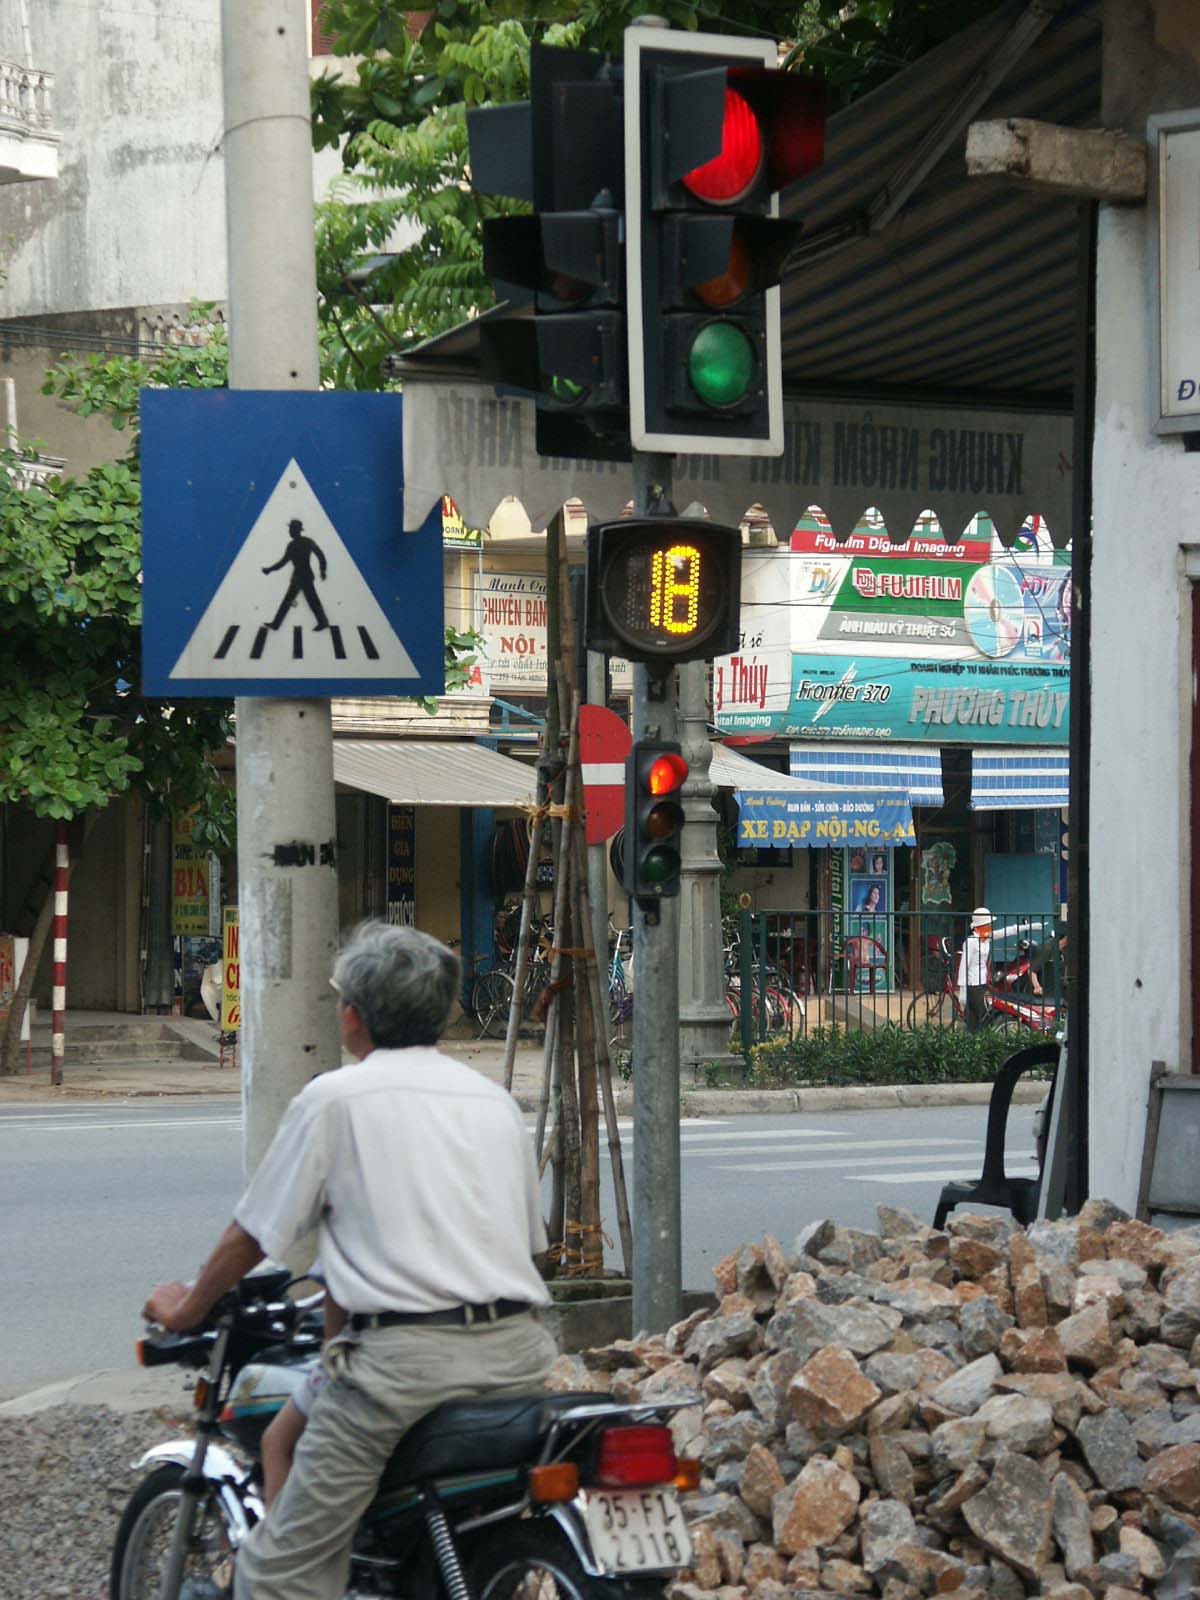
(657, 1222)
(287, 895)
(703, 1014)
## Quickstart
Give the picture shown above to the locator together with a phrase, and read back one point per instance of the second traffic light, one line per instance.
(713, 131)
(655, 773)
(561, 266)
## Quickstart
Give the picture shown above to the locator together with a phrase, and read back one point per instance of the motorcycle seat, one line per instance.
(477, 1435)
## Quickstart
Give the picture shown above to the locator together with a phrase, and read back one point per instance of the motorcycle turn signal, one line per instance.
(559, 1481)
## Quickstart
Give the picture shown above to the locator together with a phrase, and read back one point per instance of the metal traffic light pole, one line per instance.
(657, 1215)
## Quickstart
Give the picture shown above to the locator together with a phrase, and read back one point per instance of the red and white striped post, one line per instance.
(58, 1022)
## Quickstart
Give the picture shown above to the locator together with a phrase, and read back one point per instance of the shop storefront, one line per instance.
(931, 672)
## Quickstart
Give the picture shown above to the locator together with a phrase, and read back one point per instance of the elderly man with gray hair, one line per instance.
(417, 1176)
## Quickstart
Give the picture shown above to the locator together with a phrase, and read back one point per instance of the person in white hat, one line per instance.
(974, 968)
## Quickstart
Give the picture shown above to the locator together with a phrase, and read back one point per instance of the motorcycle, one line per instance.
(1011, 998)
(575, 1493)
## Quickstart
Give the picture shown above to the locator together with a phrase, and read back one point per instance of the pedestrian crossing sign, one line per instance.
(274, 561)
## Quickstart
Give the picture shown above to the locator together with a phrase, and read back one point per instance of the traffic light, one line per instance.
(713, 131)
(562, 267)
(655, 773)
(663, 589)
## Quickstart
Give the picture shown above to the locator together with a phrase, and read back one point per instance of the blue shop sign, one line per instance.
(775, 819)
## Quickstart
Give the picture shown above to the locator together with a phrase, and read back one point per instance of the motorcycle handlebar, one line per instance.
(275, 1319)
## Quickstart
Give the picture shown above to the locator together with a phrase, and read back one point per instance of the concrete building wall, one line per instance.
(1147, 507)
(136, 216)
(111, 254)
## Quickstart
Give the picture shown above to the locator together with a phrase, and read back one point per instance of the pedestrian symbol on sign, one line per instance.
(300, 552)
(339, 630)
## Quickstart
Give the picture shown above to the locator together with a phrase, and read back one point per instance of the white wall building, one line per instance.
(111, 255)
(1142, 846)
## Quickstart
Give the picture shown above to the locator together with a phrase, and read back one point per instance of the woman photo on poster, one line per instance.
(870, 896)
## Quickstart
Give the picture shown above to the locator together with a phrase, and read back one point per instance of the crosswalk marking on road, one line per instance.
(845, 1143)
(957, 1155)
(942, 1175)
(80, 1125)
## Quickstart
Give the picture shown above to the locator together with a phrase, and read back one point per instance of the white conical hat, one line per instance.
(981, 917)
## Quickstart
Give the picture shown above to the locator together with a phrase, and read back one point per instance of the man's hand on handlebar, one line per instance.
(168, 1306)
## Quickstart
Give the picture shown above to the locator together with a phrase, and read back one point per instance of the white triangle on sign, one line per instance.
(246, 631)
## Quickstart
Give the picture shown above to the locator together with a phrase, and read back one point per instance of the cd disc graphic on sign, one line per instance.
(994, 611)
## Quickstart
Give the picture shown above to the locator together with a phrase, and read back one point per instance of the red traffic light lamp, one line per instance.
(655, 773)
(714, 129)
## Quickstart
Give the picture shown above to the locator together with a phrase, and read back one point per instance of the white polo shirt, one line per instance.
(417, 1175)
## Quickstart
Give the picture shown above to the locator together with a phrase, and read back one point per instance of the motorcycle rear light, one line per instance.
(200, 1394)
(560, 1481)
(139, 1349)
(632, 1457)
(688, 1476)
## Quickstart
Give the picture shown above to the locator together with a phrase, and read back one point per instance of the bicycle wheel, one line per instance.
(491, 1002)
(620, 1014)
(928, 1010)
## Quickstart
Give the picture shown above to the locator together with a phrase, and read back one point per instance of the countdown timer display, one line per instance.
(663, 588)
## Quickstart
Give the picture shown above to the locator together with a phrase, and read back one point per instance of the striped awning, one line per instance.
(1019, 780)
(414, 772)
(916, 769)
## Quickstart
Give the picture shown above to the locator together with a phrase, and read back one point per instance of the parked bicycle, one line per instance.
(492, 992)
(620, 996)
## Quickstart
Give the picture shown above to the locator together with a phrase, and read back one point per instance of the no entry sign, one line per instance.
(604, 742)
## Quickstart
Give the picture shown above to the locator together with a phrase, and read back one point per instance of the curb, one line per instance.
(783, 1102)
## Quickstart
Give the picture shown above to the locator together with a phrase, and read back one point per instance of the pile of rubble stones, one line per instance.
(985, 1410)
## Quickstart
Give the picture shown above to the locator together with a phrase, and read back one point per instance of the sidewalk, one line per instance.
(132, 1079)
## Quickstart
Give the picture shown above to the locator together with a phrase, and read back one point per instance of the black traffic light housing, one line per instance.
(562, 268)
(655, 773)
(713, 130)
(663, 589)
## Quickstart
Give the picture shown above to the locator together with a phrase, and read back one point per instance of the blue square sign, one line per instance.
(274, 555)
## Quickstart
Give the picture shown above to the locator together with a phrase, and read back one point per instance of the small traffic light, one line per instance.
(713, 131)
(663, 589)
(562, 267)
(655, 773)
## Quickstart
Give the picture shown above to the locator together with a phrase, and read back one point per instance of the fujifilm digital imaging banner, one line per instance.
(953, 643)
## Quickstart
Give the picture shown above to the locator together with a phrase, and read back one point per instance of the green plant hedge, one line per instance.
(885, 1055)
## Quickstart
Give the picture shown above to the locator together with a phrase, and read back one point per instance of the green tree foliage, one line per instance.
(75, 731)
(398, 242)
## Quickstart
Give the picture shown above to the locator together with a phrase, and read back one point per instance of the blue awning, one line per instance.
(1019, 780)
(915, 770)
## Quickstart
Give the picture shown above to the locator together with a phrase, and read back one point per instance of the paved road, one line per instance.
(101, 1201)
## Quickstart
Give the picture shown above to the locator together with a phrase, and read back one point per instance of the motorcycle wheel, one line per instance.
(143, 1540)
(533, 1561)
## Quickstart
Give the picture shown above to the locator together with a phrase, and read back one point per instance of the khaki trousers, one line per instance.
(382, 1381)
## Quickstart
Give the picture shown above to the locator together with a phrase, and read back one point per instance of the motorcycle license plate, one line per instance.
(637, 1530)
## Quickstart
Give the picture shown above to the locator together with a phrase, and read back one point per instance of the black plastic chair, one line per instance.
(1018, 1195)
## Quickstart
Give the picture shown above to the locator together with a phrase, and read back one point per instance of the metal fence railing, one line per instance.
(791, 972)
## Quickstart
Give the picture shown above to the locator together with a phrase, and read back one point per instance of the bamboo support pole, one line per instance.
(522, 968)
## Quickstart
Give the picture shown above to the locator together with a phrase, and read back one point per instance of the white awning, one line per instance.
(414, 772)
(730, 770)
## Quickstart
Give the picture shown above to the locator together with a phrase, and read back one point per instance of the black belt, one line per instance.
(451, 1317)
